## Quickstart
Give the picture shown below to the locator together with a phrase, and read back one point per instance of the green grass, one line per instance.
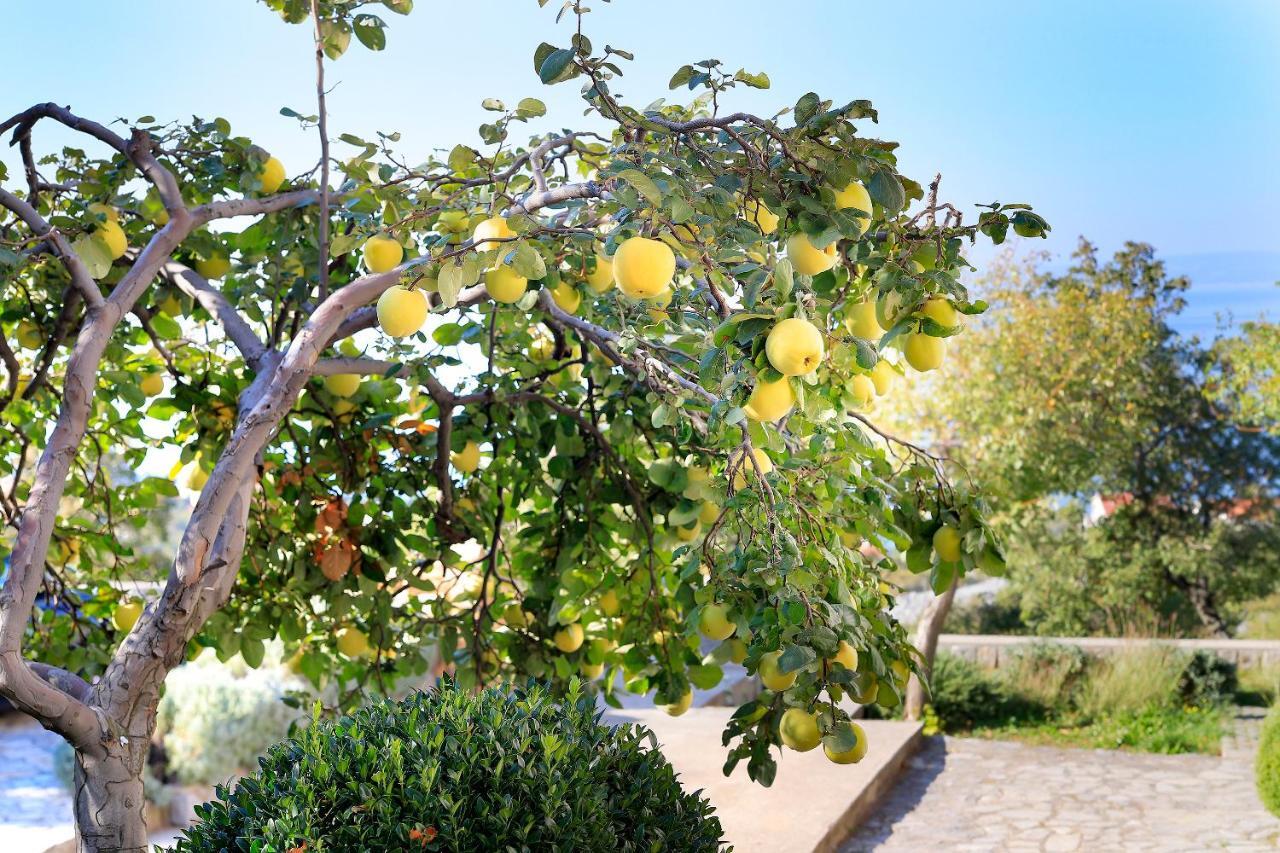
(1164, 730)
(1138, 700)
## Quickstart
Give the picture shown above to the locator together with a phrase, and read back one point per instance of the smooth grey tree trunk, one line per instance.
(926, 640)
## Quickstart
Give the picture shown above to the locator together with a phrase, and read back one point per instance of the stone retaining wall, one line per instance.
(994, 650)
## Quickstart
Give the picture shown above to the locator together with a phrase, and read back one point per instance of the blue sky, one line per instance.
(1156, 120)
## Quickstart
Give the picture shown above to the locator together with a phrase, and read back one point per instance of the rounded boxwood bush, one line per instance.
(1267, 767)
(451, 770)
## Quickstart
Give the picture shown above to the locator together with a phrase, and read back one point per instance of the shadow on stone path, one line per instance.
(968, 794)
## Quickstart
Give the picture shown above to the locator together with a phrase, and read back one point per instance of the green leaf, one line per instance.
(886, 190)
(165, 327)
(371, 30)
(866, 354)
(493, 105)
(400, 7)
(531, 107)
(252, 651)
(447, 335)
(705, 676)
(557, 67)
(528, 262)
(796, 658)
(782, 279)
(755, 81)
(682, 75)
(643, 184)
(807, 107)
(335, 38)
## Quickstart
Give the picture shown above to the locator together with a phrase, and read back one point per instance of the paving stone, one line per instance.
(1055, 799)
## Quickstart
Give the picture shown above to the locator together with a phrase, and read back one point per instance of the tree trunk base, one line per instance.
(110, 807)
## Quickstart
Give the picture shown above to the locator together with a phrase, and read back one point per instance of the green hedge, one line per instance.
(1268, 763)
(452, 770)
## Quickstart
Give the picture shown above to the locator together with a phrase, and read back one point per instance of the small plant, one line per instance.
(216, 719)
(1132, 681)
(1048, 674)
(1207, 679)
(1267, 768)
(453, 770)
(964, 696)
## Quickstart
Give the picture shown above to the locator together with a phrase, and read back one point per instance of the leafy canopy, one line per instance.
(615, 490)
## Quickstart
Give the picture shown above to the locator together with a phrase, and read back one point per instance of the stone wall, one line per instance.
(993, 650)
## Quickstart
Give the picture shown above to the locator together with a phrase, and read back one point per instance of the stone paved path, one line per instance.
(967, 794)
(35, 809)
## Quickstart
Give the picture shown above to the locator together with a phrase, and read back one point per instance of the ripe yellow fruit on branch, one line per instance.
(353, 643)
(709, 513)
(271, 176)
(855, 195)
(799, 730)
(643, 267)
(609, 604)
(737, 650)
(29, 335)
(849, 756)
(846, 655)
(106, 211)
(600, 279)
(794, 347)
(924, 352)
(772, 677)
(808, 259)
(940, 311)
(714, 622)
(946, 542)
(401, 311)
(215, 266)
(770, 401)
(747, 469)
(688, 534)
(126, 615)
(505, 285)
(764, 218)
(493, 233)
(681, 705)
(342, 384)
(862, 388)
(467, 460)
(382, 253)
(112, 237)
(152, 384)
(882, 375)
(860, 320)
(569, 638)
(567, 297)
(196, 477)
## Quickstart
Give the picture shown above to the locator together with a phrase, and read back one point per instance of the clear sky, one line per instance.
(1156, 120)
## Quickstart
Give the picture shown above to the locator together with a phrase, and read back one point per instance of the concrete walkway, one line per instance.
(967, 794)
(812, 805)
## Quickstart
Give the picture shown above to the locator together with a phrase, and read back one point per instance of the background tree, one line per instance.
(1075, 389)
(612, 470)
(1245, 377)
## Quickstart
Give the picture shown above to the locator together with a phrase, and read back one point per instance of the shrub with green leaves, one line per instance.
(448, 769)
(1267, 767)
(216, 719)
(1208, 679)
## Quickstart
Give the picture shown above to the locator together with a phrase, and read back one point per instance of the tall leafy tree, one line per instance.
(554, 476)
(1076, 389)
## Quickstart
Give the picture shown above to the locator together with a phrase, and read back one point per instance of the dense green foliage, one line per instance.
(1267, 766)
(454, 770)
(1077, 389)
(1154, 700)
(611, 492)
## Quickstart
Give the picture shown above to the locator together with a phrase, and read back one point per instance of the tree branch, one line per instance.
(238, 330)
(79, 273)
